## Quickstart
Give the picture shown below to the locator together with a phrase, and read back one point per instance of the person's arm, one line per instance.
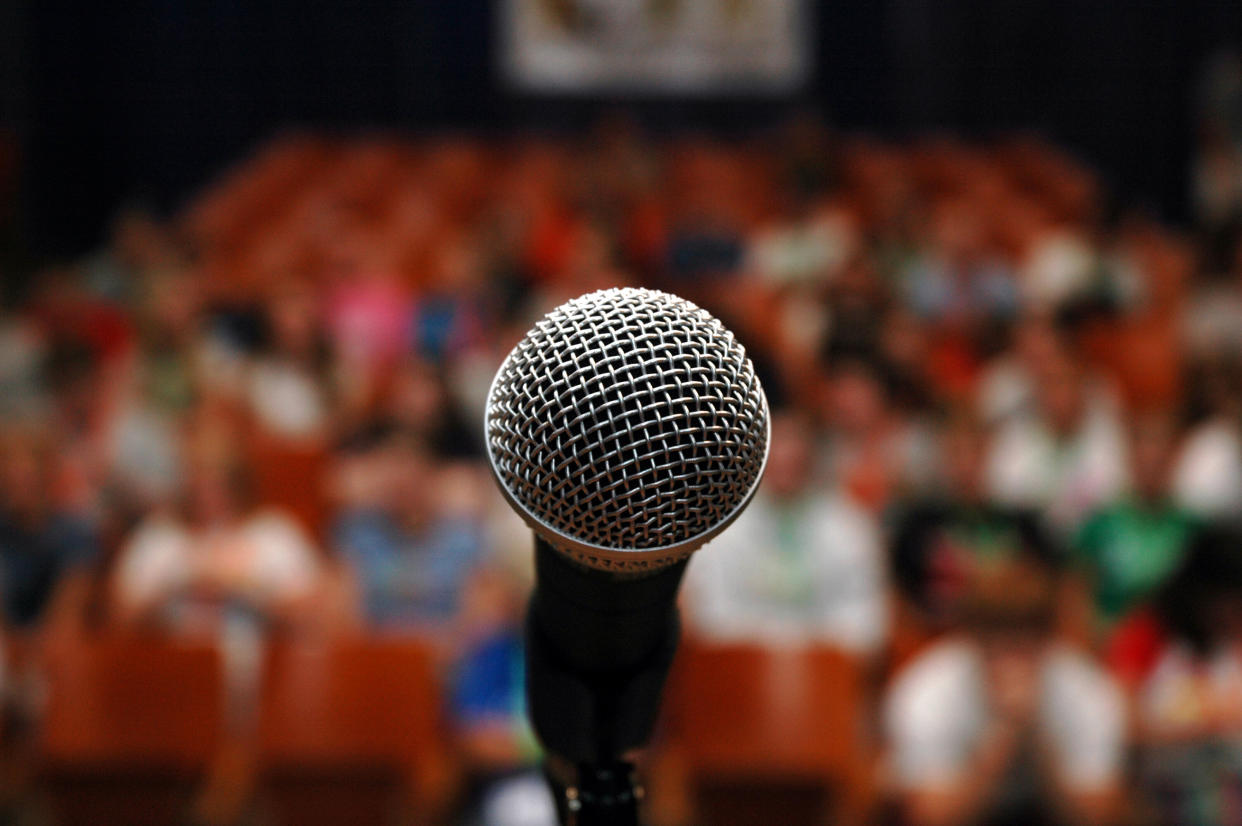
(328, 605)
(1081, 756)
(150, 570)
(1096, 805)
(137, 609)
(492, 745)
(287, 579)
(965, 797)
(948, 763)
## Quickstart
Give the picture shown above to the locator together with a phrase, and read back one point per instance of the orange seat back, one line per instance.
(746, 710)
(132, 700)
(356, 701)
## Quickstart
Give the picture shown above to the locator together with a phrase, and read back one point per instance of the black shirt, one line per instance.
(936, 544)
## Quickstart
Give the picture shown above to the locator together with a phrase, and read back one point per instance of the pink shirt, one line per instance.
(369, 320)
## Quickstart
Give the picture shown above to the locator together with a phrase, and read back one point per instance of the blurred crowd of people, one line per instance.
(1007, 435)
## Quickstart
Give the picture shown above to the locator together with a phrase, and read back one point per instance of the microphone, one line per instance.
(627, 429)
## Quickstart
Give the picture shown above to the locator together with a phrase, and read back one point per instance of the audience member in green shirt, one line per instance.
(1126, 550)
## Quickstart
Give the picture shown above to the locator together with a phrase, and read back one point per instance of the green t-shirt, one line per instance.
(1128, 550)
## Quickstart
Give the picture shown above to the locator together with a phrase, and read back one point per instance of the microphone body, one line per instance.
(627, 429)
(598, 649)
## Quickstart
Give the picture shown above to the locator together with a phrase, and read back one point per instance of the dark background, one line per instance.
(146, 100)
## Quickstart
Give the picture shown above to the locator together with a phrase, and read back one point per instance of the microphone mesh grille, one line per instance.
(629, 426)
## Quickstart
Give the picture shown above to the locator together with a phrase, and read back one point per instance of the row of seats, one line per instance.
(352, 731)
(345, 731)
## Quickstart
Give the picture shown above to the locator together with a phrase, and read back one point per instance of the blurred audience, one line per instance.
(1127, 549)
(193, 569)
(802, 564)
(1001, 724)
(411, 551)
(941, 541)
(261, 417)
(1207, 478)
(41, 541)
(875, 451)
(959, 283)
(289, 385)
(504, 787)
(1064, 457)
(413, 530)
(1181, 658)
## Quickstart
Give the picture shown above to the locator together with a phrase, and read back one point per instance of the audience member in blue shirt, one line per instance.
(488, 708)
(39, 543)
(411, 560)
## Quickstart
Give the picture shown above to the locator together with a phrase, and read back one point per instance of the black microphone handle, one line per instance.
(599, 648)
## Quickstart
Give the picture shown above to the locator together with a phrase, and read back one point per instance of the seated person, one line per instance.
(1001, 725)
(801, 564)
(220, 559)
(413, 529)
(938, 542)
(1181, 658)
(287, 381)
(1127, 549)
(40, 543)
(1066, 455)
(488, 706)
(411, 548)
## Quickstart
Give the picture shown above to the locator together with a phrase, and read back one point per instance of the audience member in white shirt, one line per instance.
(801, 564)
(1001, 724)
(190, 572)
(1207, 478)
(1065, 457)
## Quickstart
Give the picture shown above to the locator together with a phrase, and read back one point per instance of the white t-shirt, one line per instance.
(146, 456)
(803, 252)
(1029, 467)
(1212, 323)
(1207, 477)
(806, 572)
(268, 558)
(1005, 390)
(287, 400)
(937, 710)
(1057, 269)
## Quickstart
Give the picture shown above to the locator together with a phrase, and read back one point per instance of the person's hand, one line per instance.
(223, 569)
(1014, 688)
(1002, 739)
(1225, 709)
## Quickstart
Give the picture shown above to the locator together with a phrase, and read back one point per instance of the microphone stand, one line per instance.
(599, 648)
(598, 795)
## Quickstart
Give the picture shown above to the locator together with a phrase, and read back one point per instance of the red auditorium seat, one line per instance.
(130, 728)
(289, 475)
(351, 732)
(761, 730)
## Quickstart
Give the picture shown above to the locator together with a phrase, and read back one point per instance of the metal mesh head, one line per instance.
(627, 428)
